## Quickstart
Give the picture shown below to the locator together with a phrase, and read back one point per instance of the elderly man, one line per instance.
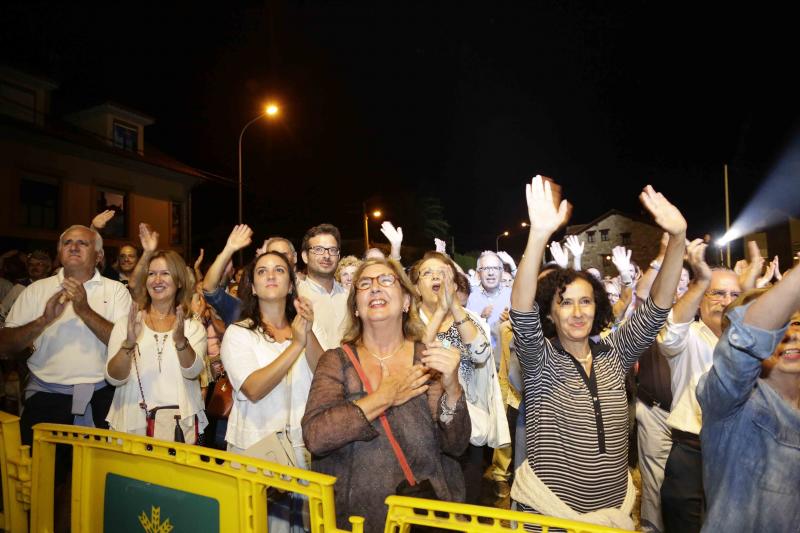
(321, 250)
(689, 346)
(67, 319)
(492, 298)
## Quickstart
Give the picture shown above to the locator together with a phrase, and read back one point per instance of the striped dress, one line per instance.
(576, 426)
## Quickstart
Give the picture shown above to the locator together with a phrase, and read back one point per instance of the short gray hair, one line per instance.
(284, 239)
(98, 239)
(488, 253)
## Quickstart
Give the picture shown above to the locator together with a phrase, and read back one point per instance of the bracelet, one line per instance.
(447, 412)
(127, 348)
(182, 348)
(462, 321)
(655, 265)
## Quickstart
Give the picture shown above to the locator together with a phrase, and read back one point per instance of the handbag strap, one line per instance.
(398, 451)
(143, 404)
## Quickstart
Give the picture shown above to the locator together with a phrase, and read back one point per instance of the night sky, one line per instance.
(390, 102)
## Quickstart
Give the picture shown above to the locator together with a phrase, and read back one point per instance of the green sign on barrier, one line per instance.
(135, 506)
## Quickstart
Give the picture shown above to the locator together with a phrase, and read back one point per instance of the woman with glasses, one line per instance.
(576, 411)
(415, 386)
(447, 321)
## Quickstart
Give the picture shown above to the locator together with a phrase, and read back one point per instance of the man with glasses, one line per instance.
(689, 347)
(320, 252)
(492, 298)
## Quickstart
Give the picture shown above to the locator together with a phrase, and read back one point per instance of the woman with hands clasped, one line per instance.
(156, 354)
(576, 413)
(383, 369)
(448, 322)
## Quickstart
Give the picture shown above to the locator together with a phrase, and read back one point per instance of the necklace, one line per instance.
(585, 360)
(385, 357)
(160, 347)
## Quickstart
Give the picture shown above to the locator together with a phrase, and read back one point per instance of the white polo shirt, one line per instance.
(689, 349)
(67, 352)
(330, 311)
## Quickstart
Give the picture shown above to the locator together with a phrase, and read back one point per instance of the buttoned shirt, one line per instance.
(500, 300)
(689, 349)
(330, 311)
(67, 352)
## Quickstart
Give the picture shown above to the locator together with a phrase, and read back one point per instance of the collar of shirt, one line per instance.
(597, 348)
(491, 295)
(319, 289)
(96, 278)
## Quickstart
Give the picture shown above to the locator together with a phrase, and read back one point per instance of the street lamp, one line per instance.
(271, 111)
(376, 213)
(497, 241)
(524, 225)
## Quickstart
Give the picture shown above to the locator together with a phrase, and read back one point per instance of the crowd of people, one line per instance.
(427, 380)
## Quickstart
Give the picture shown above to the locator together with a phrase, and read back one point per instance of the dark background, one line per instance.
(395, 103)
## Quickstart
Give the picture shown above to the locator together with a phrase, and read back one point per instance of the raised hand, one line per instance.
(101, 219)
(445, 361)
(148, 237)
(54, 307)
(440, 245)
(560, 256)
(621, 257)
(777, 265)
(392, 234)
(747, 279)
(134, 324)
(575, 245)
(199, 261)
(665, 214)
(545, 211)
(262, 249)
(241, 236)
(507, 259)
(768, 275)
(179, 333)
(696, 255)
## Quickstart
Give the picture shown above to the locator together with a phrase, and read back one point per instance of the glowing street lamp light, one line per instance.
(497, 241)
(524, 225)
(271, 111)
(375, 214)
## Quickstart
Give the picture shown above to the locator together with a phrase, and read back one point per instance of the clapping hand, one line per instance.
(665, 214)
(696, 255)
(443, 360)
(749, 275)
(179, 334)
(560, 256)
(304, 320)
(54, 307)
(134, 324)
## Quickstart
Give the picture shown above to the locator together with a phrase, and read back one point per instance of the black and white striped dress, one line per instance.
(576, 426)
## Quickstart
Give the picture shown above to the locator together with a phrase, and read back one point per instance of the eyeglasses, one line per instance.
(384, 280)
(333, 251)
(719, 295)
(490, 269)
(430, 273)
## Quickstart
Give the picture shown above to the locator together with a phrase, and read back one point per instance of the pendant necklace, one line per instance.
(385, 357)
(160, 347)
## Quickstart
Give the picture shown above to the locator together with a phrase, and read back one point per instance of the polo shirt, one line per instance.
(67, 352)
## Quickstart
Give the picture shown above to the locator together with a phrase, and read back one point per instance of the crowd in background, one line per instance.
(544, 381)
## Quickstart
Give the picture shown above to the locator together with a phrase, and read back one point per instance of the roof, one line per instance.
(580, 228)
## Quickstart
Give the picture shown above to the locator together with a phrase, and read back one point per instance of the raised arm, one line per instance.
(395, 238)
(686, 308)
(149, 239)
(774, 308)
(240, 237)
(575, 246)
(546, 215)
(751, 272)
(645, 283)
(671, 220)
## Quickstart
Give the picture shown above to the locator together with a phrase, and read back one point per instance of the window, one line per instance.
(590, 236)
(117, 201)
(176, 224)
(626, 238)
(126, 136)
(38, 199)
(604, 235)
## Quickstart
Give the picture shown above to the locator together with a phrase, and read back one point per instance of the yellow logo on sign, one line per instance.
(153, 524)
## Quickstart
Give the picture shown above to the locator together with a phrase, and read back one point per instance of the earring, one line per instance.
(356, 313)
(405, 309)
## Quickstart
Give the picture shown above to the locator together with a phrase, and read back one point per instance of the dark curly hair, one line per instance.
(250, 307)
(554, 283)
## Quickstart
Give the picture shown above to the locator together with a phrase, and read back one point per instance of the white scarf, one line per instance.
(531, 491)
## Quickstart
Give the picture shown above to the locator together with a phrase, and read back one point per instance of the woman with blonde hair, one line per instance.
(383, 385)
(345, 270)
(156, 355)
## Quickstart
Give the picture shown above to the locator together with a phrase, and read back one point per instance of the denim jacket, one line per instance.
(226, 305)
(750, 437)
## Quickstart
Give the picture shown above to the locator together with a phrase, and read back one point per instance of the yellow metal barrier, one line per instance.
(406, 512)
(15, 471)
(124, 482)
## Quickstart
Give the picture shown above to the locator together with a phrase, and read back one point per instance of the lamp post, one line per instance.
(375, 213)
(271, 110)
(497, 241)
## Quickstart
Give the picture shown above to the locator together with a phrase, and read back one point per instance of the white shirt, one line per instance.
(243, 352)
(9, 299)
(67, 352)
(689, 349)
(172, 385)
(330, 311)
